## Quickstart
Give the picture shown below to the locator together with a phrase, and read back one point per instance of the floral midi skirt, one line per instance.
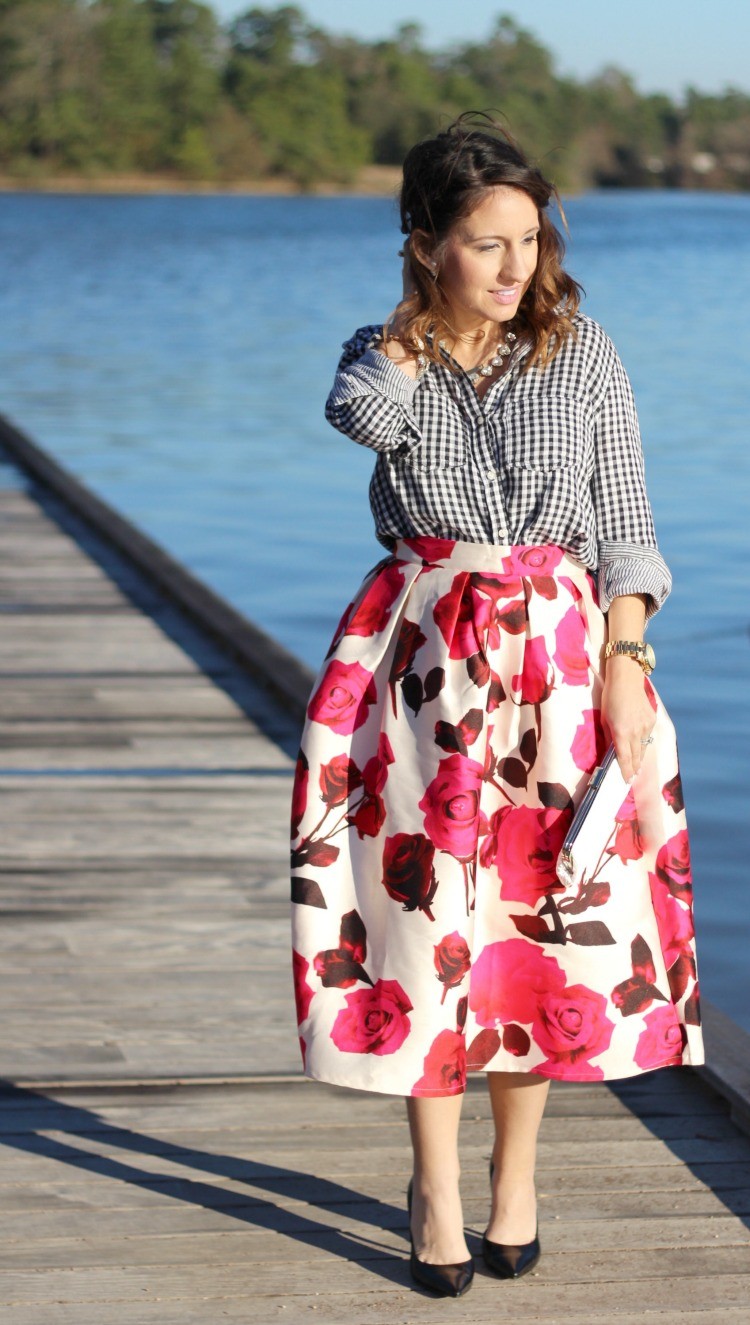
(449, 735)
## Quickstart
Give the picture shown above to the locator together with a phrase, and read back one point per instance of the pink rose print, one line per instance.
(662, 1040)
(536, 680)
(338, 779)
(508, 980)
(628, 844)
(673, 866)
(373, 613)
(374, 1020)
(299, 791)
(589, 743)
(528, 560)
(462, 616)
(452, 817)
(570, 655)
(444, 1066)
(674, 921)
(431, 549)
(452, 961)
(572, 1024)
(523, 844)
(342, 699)
(408, 871)
(302, 991)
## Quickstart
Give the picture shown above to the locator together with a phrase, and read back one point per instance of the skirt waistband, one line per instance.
(500, 558)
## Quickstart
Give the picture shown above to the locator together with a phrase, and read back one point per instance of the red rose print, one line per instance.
(570, 655)
(452, 961)
(374, 1020)
(589, 743)
(536, 680)
(662, 1040)
(523, 844)
(650, 693)
(338, 779)
(508, 979)
(452, 817)
(340, 630)
(431, 549)
(444, 1066)
(410, 638)
(302, 992)
(673, 866)
(674, 921)
(342, 699)
(463, 616)
(373, 612)
(672, 793)
(516, 1041)
(628, 844)
(375, 771)
(572, 1024)
(529, 560)
(408, 873)
(311, 852)
(499, 586)
(369, 817)
(299, 791)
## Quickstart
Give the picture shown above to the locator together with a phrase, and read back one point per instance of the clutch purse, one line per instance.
(593, 822)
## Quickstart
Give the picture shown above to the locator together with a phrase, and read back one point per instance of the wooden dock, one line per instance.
(162, 1158)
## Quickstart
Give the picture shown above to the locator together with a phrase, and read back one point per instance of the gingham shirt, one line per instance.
(552, 455)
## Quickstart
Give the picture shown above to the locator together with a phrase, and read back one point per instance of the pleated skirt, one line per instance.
(449, 736)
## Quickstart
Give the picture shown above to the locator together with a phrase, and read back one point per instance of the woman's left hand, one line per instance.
(627, 714)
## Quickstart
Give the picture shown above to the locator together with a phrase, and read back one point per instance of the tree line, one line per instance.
(104, 87)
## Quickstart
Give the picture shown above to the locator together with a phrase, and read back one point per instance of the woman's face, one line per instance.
(486, 264)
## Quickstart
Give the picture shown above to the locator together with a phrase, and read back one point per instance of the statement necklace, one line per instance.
(487, 368)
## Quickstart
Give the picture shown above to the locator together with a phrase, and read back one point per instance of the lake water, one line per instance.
(176, 352)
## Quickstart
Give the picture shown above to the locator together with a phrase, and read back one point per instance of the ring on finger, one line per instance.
(647, 740)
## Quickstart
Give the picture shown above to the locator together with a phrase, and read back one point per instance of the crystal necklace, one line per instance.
(487, 368)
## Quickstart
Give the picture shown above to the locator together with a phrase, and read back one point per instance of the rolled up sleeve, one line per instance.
(629, 559)
(372, 400)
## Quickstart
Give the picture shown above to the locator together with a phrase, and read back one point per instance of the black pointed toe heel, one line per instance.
(447, 1280)
(508, 1261)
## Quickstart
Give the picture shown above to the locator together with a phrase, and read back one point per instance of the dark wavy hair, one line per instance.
(444, 179)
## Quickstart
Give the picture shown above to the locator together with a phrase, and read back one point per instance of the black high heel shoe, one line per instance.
(508, 1261)
(448, 1280)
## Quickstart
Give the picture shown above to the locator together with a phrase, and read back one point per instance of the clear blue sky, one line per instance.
(666, 45)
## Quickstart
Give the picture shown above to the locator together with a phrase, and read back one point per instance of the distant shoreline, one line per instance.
(372, 181)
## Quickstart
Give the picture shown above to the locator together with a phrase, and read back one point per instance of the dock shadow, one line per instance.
(42, 1113)
(660, 1097)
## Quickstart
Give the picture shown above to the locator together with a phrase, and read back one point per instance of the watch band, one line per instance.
(642, 653)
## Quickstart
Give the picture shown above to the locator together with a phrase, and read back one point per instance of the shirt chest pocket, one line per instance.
(443, 426)
(545, 432)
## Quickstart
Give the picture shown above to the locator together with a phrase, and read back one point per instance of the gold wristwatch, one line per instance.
(636, 649)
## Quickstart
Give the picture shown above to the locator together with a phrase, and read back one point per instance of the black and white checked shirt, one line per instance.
(552, 455)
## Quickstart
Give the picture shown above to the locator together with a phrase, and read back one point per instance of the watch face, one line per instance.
(650, 656)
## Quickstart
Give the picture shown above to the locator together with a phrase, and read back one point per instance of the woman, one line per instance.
(467, 696)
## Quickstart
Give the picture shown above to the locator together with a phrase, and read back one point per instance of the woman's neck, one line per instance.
(476, 343)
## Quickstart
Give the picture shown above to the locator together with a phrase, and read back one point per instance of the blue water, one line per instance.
(175, 353)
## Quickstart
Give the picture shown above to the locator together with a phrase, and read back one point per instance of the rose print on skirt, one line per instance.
(449, 737)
